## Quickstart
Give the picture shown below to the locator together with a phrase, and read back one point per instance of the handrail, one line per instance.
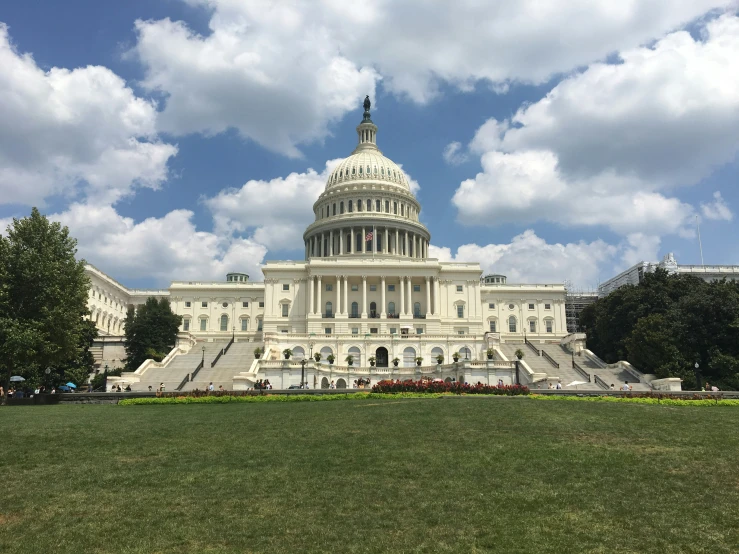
(581, 371)
(218, 357)
(532, 347)
(190, 376)
(601, 382)
(183, 383)
(233, 338)
(550, 359)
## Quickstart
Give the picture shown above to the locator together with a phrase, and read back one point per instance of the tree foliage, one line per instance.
(43, 298)
(151, 332)
(668, 323)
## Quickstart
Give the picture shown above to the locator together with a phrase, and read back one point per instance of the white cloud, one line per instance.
(281, 72)
(166, 248)
(530, 259)
(606, 146)
(718, 209)
(454, 153)
(70, 132)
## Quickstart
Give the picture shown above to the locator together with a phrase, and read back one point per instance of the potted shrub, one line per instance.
(455, 356)
(330, 359)
(317, 357)
(396, 361)
(350, 359)
(258, 352)
(490, 352)
(519, 353)
(419, 359)
(287, 353)
(440, 359)
(372, 361)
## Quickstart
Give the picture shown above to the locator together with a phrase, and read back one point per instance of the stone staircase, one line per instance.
(609, 376)
(176, 370)
(238, 358)
(565, 373)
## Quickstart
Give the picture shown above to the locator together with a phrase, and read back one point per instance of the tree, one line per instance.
(78, 369)
(151, 332)
(43, 298)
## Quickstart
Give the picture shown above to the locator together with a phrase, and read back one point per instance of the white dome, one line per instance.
(367, 165)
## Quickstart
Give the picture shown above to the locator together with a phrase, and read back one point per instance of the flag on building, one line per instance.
(368, 237)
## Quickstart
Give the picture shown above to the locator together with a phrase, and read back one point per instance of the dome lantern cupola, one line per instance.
(366, 131)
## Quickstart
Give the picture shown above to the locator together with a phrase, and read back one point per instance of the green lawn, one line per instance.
(413, 475)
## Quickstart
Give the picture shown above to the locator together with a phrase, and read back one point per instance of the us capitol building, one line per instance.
(366, 289)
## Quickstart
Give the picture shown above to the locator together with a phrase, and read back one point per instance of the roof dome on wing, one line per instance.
(366, 163)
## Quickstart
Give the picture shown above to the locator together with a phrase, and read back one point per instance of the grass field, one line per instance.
(428, 475)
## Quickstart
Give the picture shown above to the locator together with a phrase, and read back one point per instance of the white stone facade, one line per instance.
(367, 286)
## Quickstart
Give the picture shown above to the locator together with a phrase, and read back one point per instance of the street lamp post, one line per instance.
(697, 376)
(203, 360)
(105, 379)
(47, 371)
(302, 373)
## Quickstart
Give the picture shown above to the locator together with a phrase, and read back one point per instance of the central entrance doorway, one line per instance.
(381, 357)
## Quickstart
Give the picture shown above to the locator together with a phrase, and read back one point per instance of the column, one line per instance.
(341, 242)
(410, 297)
(364, 242)
(402, 296)
(331, 243)
(405, 240)
(364, 297)
(415, 245)
(397, 242)
(337, 310)
(319, 309)
(386, 250)
(346, 295)
(437, 297)
(428, 297)
(312, 285)
(382, 296)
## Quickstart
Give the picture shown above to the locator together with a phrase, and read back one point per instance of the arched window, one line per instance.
(532, 326)
(329, 309)
(512, 324)
(416, 309)
(298, 353)
(465, 353)
(382, 171)
(334, 208)
(409, 357)
(377, 206)
(359, 205)
(325, 353)
(373, 309)
(245, 324)
(349, 243)
(369, 205)
(359, 242)
(350, 206)
(224, 322)
(391, 308)
(341, 207)
(435, 352)
(360, 169)
(368, 170)
(259, 324)
(355, 309)
(356, 354)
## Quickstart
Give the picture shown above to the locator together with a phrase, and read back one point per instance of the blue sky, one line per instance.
(182, 140)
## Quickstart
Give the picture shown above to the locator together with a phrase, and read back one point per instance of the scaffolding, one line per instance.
(575, 301)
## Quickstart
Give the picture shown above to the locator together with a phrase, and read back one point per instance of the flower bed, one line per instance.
(437, 387)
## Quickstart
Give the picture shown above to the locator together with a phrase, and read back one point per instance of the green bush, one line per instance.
(662, 400)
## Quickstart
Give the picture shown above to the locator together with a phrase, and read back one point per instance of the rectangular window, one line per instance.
(285, 308)
(373, 288)
(285, 286)
(329, 288)
(549, 325)
(393, 330)
(186, 325)
(327, 331)
(395, 208)
(459, 288)
(244, 324)
(355, 288)
(203, 304)
(491, 306)
(355, 330)
(378, 207)
(373, 330)
(419, 330)
(493, 327)
(416, 288)
(187, 304)
(387, 206)
(531, 306)
(460, 310)
(244, 304)
(203, 324)
(283, 331)
(547, 306)
(532, 326)
(391, 288)
(261, 304)
(460, 332)
(259, 324)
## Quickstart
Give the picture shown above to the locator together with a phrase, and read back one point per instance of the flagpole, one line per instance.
(700, 245)
(374, 244)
